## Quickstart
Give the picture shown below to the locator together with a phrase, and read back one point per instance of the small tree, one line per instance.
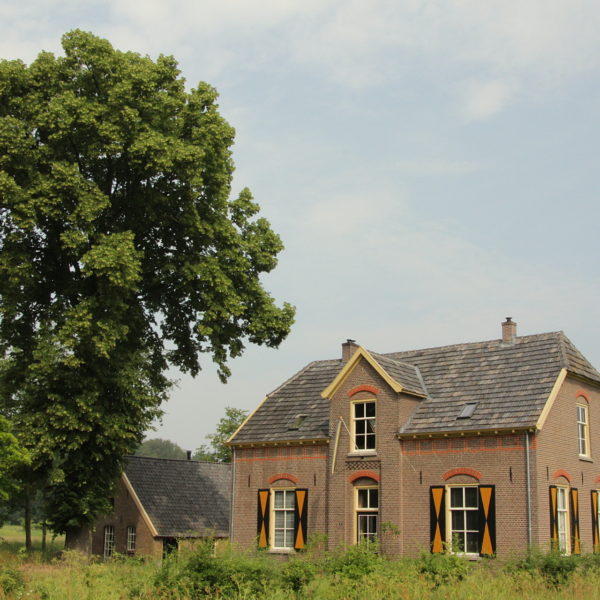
(225, 428)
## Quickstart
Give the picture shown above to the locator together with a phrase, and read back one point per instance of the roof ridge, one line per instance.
(499, 340)
(182, 460)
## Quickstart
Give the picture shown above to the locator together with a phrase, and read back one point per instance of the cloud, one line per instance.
(486, 98)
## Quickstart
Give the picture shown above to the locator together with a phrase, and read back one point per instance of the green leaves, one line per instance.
(122, 253)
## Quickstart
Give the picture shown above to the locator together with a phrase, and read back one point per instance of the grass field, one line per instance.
(355, 574)
(13, 537)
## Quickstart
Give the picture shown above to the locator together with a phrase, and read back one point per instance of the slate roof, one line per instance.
(183, 498)
(510, 382)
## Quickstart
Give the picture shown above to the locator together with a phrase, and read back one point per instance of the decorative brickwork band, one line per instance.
(263, 518)
(362, 465)
(582, 394)
(300, 519)
(287, 476)
(461, 471)
(553, 518)
(561, 473)
(363, 388)
(437, 520)
(359, 474)
(574, 514)
(595, 524)
(487, 520)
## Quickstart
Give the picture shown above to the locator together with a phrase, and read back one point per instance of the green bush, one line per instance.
(554, 567)
(354, 561)
(298, 573)
(442, 568)
(11, 580)
(202, 574)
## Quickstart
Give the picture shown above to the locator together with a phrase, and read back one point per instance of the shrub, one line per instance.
(11, 580)
(355, 561)
(297, 573)
(442, 568)
(554, 567)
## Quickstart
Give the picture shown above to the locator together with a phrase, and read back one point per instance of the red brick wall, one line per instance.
(254, 469)
(126, 514)
(558, 452)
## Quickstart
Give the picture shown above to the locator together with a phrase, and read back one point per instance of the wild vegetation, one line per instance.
(352, 574)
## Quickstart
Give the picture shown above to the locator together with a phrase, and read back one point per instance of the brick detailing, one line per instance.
(287, 476)
(370, 474)
(582, 394)
(363, 464)
(597, 480)
(363, 388)
(278, 453)
(455, 445)
(561, 473)
(461, 471)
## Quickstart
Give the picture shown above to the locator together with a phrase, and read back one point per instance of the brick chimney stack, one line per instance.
(348, 349)
(509, 331)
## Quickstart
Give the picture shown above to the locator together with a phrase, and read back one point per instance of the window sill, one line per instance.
(586, 458)
(361, 453)
(281, 550)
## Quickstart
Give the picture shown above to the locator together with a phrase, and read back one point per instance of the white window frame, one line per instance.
(583, 429)
(288, 509)
(563, 520)
(109, 541)
(453, 534)
(368, 420)
(366, 512)
(131, 539)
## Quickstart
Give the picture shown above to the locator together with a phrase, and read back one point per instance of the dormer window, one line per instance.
(467, 410)
(363, 425)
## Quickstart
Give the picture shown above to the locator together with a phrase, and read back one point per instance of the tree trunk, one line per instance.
(44, 532)
(28, 544)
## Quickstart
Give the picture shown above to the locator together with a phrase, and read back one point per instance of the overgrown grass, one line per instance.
(358, 573)
(12, 538)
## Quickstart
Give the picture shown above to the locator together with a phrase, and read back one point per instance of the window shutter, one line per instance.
(574, 515)
(553, 518)
(595, 524)
(300, 518)
(263, 518)
(437, 519)
(487, 520)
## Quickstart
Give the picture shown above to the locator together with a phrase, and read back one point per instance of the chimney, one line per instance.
(348, 349)
(509, 331)
(189, 454)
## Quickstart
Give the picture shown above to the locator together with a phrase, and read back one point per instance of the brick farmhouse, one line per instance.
(162, 503)
(482, 448)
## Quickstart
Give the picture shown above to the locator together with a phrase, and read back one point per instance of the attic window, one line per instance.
(297, 422)
(467, 410)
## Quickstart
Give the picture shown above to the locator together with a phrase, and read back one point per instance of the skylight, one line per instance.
(297, 422)
(467, 410)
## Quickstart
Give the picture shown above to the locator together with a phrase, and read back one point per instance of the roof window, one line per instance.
(467, 410)
(297, 422)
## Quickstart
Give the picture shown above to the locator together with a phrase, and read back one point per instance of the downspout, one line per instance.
(528, 472)
(232, 512)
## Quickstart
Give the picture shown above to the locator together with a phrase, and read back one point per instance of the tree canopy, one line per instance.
(159, 448)
(227, 425)
(122, 253)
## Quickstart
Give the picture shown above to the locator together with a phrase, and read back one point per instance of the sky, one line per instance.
(431, 166)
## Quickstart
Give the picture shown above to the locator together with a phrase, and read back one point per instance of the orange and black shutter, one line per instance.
(574, 515)
(300, 518)
(553, 518)
(487, 520)
(595, 524)
(263, 518)
(437, 519)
